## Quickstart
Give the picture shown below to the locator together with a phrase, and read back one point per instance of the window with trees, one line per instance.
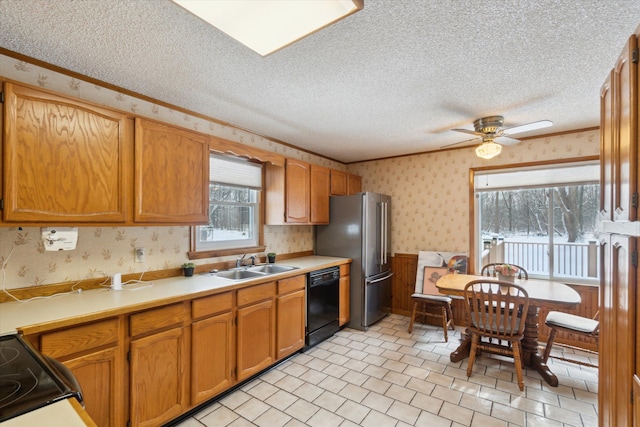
(541, 218)
(234, 206)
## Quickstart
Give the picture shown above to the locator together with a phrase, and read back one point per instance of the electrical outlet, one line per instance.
(139, 254)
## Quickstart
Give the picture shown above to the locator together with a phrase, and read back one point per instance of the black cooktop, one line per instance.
(27, 380)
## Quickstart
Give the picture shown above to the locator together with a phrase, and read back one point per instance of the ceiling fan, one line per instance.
(494, 135)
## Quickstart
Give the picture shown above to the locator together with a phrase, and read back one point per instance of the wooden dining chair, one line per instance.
(489, 270)
(571, 323)
(428, 302)
(486, 320)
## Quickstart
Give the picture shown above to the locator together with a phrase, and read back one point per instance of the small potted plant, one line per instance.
(271, 256)
(187, 269)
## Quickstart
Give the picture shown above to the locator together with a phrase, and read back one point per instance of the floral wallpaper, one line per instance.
(429, 197)
(430, 192)
(102, 251)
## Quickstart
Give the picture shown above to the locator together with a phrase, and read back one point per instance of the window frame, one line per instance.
(194, 253)
(475, 242)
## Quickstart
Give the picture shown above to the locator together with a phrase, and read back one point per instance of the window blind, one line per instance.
(536, 177)
(233, 171)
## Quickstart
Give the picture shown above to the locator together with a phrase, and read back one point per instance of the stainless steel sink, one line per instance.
(272, 268)
(251, 272)
(239, 274)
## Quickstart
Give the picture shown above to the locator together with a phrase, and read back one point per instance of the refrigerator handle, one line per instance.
(385, 235)
(369, 282)
(382, 233)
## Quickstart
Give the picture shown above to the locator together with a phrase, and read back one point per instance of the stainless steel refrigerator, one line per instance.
(360, 229)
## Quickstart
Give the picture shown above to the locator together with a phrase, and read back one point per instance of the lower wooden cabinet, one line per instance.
(100, 376)
(212, 346)
(291, 313)
(180, 355)
(159, 362)
(93, 352)
(345, 294)
(255, 329)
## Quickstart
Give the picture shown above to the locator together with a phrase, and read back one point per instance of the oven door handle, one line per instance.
(370, 282)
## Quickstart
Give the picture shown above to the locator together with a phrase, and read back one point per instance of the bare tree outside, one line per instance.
(550, 231)
(526, 212)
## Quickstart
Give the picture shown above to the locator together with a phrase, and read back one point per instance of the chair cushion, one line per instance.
(434, 298)
(492, 327)
(571, 321)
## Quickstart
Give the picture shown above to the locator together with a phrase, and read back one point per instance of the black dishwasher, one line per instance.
(323, 299)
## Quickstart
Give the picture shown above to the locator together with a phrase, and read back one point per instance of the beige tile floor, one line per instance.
(388, 377)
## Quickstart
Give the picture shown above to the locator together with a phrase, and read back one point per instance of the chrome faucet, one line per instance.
(239, 260)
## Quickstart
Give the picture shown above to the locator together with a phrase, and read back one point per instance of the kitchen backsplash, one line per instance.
(102, 251)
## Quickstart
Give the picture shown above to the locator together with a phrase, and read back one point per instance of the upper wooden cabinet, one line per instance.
(63, 160)
(354, 184)
(338, 183)
(298, 193)
(171, 174)
(68, 161)
(287, 193)
(619, 138)
(319, 194)
(297, 190)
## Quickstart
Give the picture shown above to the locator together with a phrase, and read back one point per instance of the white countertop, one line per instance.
(104, 302)
(58, 414)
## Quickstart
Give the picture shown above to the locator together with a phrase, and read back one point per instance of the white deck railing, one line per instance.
(570, 260)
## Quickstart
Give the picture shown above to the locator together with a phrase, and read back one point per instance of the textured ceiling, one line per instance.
(391, 79)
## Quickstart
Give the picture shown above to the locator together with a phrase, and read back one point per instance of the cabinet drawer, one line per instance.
(291, 284)
(156, 319)
(211, 305)
(256, 293)
(80, 338)
(345, 269)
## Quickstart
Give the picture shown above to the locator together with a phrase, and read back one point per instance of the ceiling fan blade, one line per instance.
(472, 132)
(528, 127)
(505, 140)
(474, 140)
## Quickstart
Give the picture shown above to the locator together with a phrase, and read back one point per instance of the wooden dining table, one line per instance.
(542, 293)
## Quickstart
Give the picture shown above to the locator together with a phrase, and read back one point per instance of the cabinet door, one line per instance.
(171, 175)
(320, 183)
(92, 351)
(211, 363)
(296, 191)
(354, 184)
(291, 323)
(159, 378)
(64, 160)
(255, 335)
(100, 376)
(625, 141)
(343, 316)
(338, 183)
(606, 150)
(617, 340)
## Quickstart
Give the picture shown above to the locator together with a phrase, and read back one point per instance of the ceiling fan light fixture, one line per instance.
(488, 150)
(269, 25)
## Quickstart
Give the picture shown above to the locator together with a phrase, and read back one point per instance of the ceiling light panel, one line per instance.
(266, 26)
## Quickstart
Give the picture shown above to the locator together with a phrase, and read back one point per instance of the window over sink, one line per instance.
(235, 189)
